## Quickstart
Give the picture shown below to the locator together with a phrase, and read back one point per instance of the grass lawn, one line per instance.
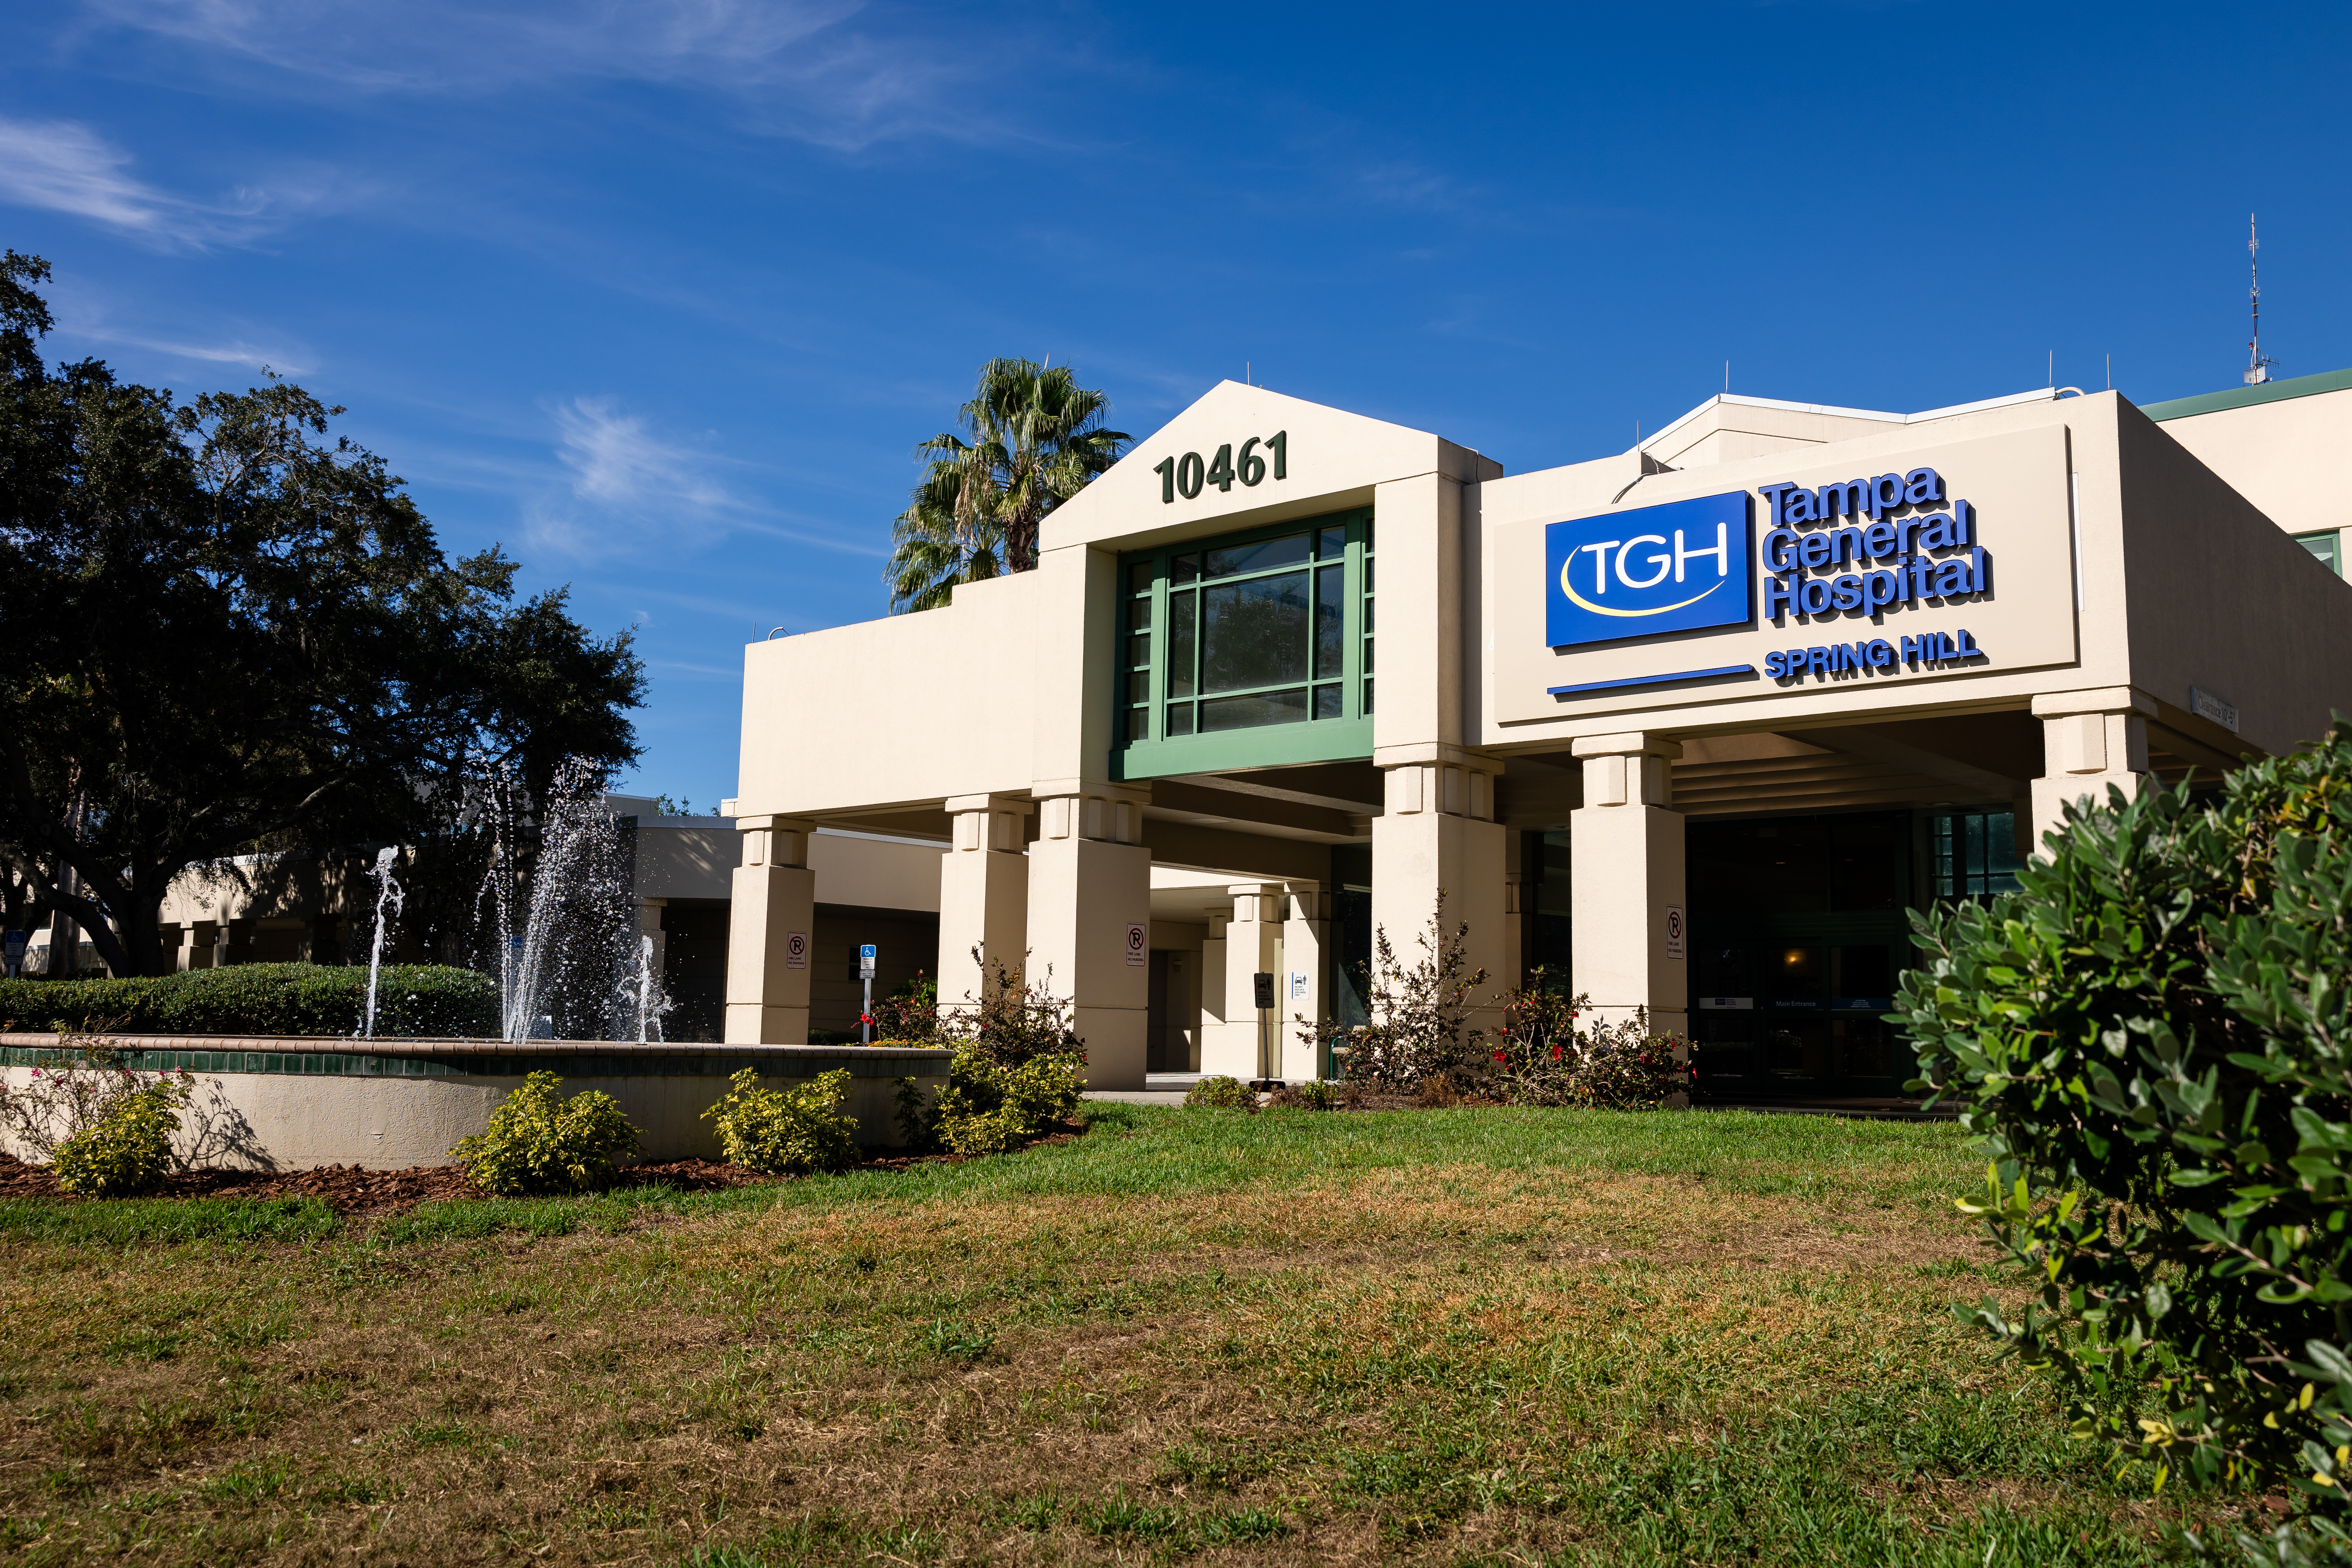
(1454, 1336)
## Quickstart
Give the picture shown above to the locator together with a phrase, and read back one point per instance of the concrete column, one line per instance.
(1252, 947)
(984, 894)
(649, 924)
(1305, 972)
(1632, 932)
(2090, 740)
(771, 926)
(1514, 906)
(1212, 980)
(1437, 833)
(1184, 1047)
(1089, 888)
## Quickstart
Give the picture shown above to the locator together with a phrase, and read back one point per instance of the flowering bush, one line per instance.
(786, 1132)
(536, 1143)
(910, 1016)
(76, 1089)
(1542, 1056)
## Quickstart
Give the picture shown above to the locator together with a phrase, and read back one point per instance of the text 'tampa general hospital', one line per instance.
(1693, 726)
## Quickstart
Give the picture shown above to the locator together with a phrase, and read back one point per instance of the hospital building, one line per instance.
(1693, 726)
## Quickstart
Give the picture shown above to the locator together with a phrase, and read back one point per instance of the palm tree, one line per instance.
(1035, 438)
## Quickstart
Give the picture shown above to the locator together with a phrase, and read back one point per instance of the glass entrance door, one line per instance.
(1798, 929)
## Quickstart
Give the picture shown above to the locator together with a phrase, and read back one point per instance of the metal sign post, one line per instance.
(1263, 984)
(865, 1014)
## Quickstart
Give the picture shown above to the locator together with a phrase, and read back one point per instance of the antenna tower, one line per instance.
(2258, 369)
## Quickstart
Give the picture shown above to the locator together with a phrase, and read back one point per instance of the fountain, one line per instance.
(570, 971)
(581, 995)
(387, 892)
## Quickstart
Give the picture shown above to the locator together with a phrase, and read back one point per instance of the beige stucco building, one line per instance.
(1693, 724)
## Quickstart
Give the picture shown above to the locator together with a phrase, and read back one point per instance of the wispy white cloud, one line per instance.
(616, 462)
(62, 165)
(629, 489)
(798, 69)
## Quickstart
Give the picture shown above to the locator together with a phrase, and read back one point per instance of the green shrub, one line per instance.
(2151, 1036)
(130, 1152)
(988, 1107)
(1310, 1094)
(413, 1001)
(536, 1143)
(1220, 1093)
(1018, 1070)
(785, 1131)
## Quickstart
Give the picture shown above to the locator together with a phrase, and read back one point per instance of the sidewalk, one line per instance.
(1159, 1089)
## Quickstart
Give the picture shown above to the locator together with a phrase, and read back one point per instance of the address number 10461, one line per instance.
(1185, 476)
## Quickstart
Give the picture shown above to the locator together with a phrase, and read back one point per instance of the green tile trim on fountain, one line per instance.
(486, 1059)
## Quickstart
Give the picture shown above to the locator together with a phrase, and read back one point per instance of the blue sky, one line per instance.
(660, 296)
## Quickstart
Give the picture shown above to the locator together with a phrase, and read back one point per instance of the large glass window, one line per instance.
(1264, 629)
(1974, 853)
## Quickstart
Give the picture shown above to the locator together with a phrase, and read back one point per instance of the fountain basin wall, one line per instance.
(290, 1103)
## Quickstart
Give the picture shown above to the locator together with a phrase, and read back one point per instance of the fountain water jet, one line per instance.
(387, 891)
(572, 970)
(643, 992)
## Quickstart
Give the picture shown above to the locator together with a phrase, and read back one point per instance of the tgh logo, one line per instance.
(1669, 568)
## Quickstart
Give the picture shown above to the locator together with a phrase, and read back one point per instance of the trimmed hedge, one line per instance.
(413, 1001)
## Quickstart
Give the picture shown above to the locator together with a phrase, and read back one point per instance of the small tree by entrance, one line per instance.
(1421, 1014)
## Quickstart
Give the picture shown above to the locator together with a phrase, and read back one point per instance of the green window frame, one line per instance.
(1180, 712)
(2327, 546)
(1972, 853)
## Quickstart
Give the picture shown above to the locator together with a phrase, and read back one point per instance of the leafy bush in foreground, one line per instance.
(416, 1001)
(536, 1143)
(2151, 1036)
(786, 1132)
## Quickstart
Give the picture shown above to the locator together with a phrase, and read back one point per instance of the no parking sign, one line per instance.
(1675, 932)
(796, 950)
(1138, 943)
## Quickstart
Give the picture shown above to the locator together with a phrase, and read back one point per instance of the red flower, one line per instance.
(1555, 1053)
(1498, 1056)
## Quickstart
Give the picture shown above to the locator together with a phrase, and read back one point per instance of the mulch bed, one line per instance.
(350, 1190)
